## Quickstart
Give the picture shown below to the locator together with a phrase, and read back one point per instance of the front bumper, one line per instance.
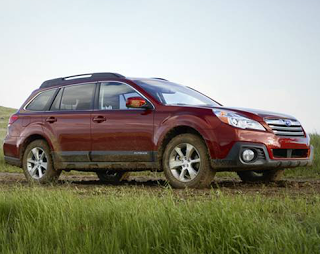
(233, 161)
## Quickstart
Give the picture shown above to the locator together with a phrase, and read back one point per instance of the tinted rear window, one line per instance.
(42, 101)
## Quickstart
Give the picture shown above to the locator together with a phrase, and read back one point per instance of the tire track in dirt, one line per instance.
(291, 187)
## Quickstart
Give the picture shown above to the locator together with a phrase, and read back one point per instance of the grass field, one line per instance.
(39, 220)
(137, 219)
(4, 117)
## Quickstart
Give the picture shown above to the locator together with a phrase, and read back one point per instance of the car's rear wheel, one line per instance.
(37, 163)
(112, 176)
(252, 176)
(186, 162)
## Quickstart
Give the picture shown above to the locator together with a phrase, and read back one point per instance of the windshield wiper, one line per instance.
(178, 104)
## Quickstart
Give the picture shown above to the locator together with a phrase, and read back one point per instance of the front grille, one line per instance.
(285, 127)
(290, 153)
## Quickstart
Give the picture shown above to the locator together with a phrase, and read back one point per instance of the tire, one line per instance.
(186, 162)
(38, 164)
(261, 176)
(111, 176)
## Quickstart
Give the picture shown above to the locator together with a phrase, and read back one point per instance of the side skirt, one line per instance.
(94, 166)
(120, 160)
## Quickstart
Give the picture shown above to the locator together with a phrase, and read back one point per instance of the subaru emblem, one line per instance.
(288, 123)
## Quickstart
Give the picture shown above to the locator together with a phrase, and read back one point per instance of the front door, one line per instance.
(120, 134)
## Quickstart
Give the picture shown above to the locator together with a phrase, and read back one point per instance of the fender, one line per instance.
(203, 127)
(32, 130)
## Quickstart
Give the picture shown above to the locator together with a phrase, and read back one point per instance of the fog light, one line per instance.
(248, 155)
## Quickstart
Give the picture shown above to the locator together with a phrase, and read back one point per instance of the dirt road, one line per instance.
(306, 187)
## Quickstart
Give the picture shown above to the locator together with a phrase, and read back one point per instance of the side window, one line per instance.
(41, 102)
(77, 97)
(113, 95)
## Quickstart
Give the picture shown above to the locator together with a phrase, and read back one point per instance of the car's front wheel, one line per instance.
(186, 162)
(252, 176)
(37, 163)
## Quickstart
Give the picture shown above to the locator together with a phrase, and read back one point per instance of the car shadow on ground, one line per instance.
(224, 183)
(133, 182)
(153, 182)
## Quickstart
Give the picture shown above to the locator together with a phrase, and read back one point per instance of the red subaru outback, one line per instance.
(110, 124)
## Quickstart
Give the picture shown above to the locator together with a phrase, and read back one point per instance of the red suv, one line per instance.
(110, 124)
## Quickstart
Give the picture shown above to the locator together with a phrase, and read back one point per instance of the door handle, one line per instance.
(99, 119)
(51, 119)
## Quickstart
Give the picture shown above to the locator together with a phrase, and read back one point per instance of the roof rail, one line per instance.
(161, 79)
(82, 77)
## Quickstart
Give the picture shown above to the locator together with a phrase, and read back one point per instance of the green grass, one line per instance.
(47, 221)
(5, 113)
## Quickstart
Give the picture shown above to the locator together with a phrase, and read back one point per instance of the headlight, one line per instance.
(238, 121)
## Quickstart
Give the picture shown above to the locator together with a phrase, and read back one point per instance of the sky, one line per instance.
(262, 54)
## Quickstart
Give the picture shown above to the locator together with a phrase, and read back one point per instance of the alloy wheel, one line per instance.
(184, 162)
(37, 163)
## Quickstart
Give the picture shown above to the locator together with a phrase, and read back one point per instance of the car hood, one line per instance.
(256, 113)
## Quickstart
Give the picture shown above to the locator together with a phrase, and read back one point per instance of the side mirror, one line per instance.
(137, 102)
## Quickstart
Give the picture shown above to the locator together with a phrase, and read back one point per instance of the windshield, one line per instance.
(173, 94)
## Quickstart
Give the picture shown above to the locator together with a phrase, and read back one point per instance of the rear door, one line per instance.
(120, 134)
(68, 123)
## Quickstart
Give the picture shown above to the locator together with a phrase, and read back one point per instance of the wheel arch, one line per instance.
(175, 131)
(30, 139)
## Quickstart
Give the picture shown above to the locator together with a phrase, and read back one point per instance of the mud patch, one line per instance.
(156, 185)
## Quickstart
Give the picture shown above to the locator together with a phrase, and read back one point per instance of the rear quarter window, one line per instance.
(42, 101)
